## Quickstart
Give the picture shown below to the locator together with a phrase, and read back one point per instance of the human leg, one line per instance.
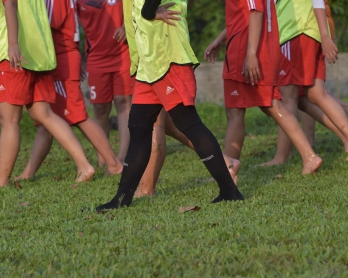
(318, 95)
(315, 112)
(147, 184)
(284, 146)
(41, 148)
(308, 126)
(101, 116)
(291, 127)
(41, 112)
(141, 120)
(206, 146)
(95, 134)
(235, 132)
(123, 105)
(10, 116)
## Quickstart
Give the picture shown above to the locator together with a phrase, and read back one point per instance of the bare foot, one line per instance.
(23, 176)
(85, 175)
(233, 166)
(143, 192)
(101, 164)
(114, 169)
(311, 165)
(272, 162)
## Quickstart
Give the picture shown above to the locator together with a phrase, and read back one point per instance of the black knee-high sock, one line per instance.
(141, 120)
(206, 146)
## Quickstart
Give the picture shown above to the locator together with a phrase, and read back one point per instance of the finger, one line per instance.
(213, 59)
(173, 17)
(246, 74)
(251, 77)
(15, 61)
(173, 12)
(166, 6)
(11, 63)
(258, 74)
(23, 60)
(168, 22)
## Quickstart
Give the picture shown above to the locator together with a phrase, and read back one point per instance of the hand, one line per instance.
(211, 53)
(15, 57)
(120, 34)
(164, 14)
(83, 74)
(330, 50)
(251, 69)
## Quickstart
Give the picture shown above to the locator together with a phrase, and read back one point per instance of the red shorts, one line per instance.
(243, 95)
(301, 62)
(177, 86)
(70, 104)
(104, 86)
(25, 87)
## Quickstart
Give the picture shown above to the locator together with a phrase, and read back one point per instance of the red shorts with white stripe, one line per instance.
(70, 104)
(243, 95)
(104, 86)
(25, 87)
(302, 61)
(177, 86)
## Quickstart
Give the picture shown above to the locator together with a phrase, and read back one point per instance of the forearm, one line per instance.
(222, 36)
(149, 9)
(11, 21)
(320, 14)
(255, 29)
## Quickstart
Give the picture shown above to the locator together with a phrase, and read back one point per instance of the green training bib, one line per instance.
(296, 17)
(159, 44)
(34, 35)
(128, 23)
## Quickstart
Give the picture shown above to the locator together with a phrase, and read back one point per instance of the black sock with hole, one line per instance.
(141, 120)
(206, 146)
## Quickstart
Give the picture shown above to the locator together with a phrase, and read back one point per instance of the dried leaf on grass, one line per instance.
(89, 217)
(25, 204)
(81, 234)
(57, 178)
(74, 186)
(17, 185)
(279, 176)
(185, 209)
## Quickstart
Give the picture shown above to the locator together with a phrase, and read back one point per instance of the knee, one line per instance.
(142, 118)
(121, 100)
(102, 110)
(235, 116)
(184, 117)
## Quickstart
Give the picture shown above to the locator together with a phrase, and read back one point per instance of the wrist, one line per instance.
(251, 53)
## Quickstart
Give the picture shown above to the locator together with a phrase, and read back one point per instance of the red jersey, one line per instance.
(100, 19)
(65, 31)
(237, 24)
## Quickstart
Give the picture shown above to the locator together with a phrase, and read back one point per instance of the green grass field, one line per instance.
(288, 226)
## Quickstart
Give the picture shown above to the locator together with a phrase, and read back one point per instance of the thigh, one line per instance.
(10, 113)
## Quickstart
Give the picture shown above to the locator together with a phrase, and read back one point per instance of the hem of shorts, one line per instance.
(186, 103)
(76, 121)
(161, 77)
(251, 106)
(304, 84)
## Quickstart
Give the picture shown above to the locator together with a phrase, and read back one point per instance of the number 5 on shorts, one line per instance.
(93, 93)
